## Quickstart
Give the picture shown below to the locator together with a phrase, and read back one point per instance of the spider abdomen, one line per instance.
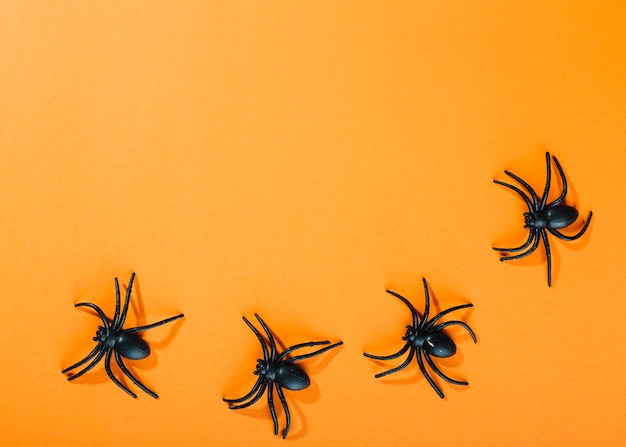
(438, 344)
(131, 346)
(560, 216)
(292, 377)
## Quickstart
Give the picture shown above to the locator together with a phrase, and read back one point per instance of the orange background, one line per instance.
(296, 159)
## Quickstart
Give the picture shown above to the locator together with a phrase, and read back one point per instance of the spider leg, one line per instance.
(527, 252)
(158, 323)
(564, 237)
(420, 362)
(398, 368)
(525, 184)
(88, 367)
(269, 337)
(297, 358)
(426, 305)
(89, 356)
(251, 402)
(408, 304)
(270, 404)
(116, 315)
(389, 357)
(136, 381)
(290, 349)
(442, 375)
(546, 244)
(531, 235)
(546, 190)
(103, 317)
(563, 180)
(258, 335)
(122, 317)
(283, 402)
(247, 396)
(446, 312)
(524, 197)
(107, 368)
(442, 326)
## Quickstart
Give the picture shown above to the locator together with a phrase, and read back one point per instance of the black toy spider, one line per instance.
(542, 217)
(426, 338)
(279, 370)
(114, 340)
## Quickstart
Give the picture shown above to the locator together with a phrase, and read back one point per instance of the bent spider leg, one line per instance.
(546, 190)
(107, 368)
(532, 234)
(270, 404)
(290, 349)
(442, 326)
(520, 192)
(546, 244)
(88, 367)
(437, 317)
(565, 237)
(297, 358)
(258, 335)
(269, 337)
(253, 401)
(283, 402)
(525, 184)
(254, 389)
(527, 252)
(563, 181)
(247, 396)
(103, 317)
(116, 315)
(408, 304)
(389, 357)
(122, 318)
(89, 356)
(442, 375)
(420, 362)
(426, 305)
(136, 381)
(153, 325)
(398, 368)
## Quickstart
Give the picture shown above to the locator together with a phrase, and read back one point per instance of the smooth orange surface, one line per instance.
(296, 159)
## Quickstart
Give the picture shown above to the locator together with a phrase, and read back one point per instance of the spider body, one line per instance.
(291, 377)
(425, 339)
(437, 344)
(126, 344)
(114, 341)
(556, 217)
(277, 370)
(543, 217)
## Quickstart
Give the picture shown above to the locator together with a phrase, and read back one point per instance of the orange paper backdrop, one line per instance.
(296, 159)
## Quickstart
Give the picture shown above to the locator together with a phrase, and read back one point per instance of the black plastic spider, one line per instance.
(277, 369)
(428, 339)
(114, 340)
(542, 217)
